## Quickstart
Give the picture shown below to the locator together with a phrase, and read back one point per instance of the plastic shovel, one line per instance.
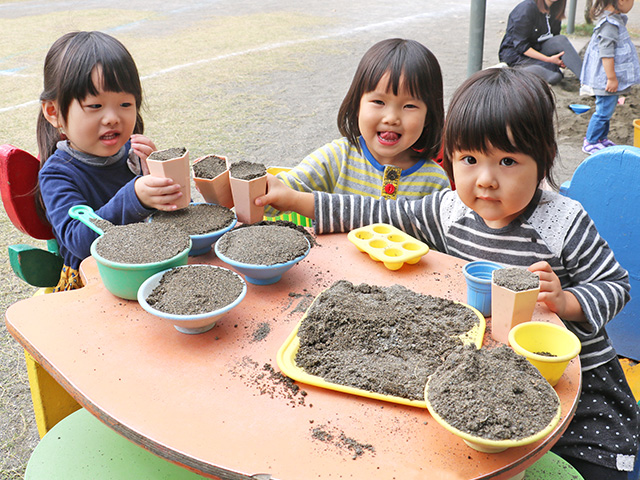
(85, 214)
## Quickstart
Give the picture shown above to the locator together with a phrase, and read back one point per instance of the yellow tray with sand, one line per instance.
(287, 353)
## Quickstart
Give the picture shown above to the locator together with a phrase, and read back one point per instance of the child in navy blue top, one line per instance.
(91, 146)
(609, 69)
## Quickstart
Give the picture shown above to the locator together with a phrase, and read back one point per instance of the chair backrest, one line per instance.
(18, 179)
(607, 185)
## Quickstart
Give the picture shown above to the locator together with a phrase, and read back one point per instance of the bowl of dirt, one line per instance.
(262, 253)
(205, 223)
(127, 255)
(192, 297)
(547, 346)
(493, 399)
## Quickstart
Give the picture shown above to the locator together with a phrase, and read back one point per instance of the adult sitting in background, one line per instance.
(532, 40)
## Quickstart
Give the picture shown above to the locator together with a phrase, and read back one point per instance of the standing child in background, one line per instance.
(91, 146)
(609, 69)
(392, 119)
(499, 145)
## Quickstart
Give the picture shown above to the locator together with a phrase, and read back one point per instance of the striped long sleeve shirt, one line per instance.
(553, 228)
(338, 167)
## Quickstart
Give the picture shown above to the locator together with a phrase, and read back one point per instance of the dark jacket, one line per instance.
(525, 26)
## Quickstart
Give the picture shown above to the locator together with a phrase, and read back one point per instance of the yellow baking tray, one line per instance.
(387, 244)
(286, 359)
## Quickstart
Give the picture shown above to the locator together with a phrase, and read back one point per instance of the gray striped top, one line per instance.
(553, 228)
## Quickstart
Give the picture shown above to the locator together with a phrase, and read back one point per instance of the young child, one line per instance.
(90, 144)
(392, 119)
(499, 146)
(609, 69)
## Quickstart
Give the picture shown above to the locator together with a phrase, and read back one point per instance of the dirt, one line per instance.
(195, 289)
(269, 382)
(380, 339)
(516, 279)
(138, 243)
(284, 223)
(572, 127)
(197, 219)
(493, 394)
(338, 438)
(168, 154)
(209, 167)
(244, 170)
(263, 244)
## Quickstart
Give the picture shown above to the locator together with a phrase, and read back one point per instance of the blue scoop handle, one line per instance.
(85, 214)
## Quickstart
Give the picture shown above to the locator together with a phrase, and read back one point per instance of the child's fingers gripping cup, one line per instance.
(478, 276)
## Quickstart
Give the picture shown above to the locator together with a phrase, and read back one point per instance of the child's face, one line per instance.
(625, 6)
(497, 185)
(390, 124)
(100, 125)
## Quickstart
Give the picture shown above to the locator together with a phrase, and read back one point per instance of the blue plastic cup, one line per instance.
(478, 275)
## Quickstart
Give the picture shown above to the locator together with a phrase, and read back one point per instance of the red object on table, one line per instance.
(207, 402)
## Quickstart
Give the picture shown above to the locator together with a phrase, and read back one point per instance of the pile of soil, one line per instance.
(380, 339)
(263, 244)
(197, 219)
(168, 154)
(209, 167)
(573, 127)
(492, 394)
(244, 170)
(284, 223)
(195, 289)
(137, 243)
(516, 279)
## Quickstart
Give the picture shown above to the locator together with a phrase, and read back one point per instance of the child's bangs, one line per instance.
(492, 120)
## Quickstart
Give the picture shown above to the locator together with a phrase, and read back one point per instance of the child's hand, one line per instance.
(157, 192)
(612, 85)
(562, 303)
(143, 147)
(283, 198)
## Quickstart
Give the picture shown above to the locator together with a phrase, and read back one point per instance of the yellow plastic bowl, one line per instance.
(486, 445)
(532, 338)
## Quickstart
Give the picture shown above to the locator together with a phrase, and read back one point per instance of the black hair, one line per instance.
(505, 108)
(419, 70)
(68, 68)
(556, 10)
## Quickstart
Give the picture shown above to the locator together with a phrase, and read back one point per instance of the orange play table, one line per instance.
(207, 402)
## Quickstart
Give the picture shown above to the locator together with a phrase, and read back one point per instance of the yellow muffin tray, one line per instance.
(286, 359)
(387, 244)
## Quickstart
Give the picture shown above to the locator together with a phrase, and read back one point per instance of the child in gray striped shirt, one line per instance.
(499, 146)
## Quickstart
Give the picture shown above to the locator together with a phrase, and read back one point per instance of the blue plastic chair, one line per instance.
(607, 185)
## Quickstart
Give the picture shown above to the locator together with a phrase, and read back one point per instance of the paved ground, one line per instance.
(260, 81)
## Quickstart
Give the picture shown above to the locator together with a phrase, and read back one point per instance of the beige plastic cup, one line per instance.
(244, 193)
(177, 169)
(217, 189)
(510, 308)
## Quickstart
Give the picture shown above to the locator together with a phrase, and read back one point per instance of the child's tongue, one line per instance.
(388, 137)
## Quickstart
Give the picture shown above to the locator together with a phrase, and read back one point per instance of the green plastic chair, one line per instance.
(80, 447)
(551, 466)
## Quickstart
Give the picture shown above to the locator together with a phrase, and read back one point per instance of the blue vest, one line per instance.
(626, 61)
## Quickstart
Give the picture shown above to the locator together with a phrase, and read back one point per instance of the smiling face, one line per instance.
(497, 185)
(390, 124)
(100, 124)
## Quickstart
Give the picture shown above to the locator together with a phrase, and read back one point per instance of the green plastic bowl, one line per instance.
(124, 279)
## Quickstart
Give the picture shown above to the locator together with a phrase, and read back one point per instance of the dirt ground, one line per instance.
(256, 81)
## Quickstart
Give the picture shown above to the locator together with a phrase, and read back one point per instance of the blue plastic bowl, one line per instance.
(191, 324)
(260, 274)
(201, 244)
(579, 108)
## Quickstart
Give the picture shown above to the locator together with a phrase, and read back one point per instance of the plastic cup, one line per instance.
(478, 275)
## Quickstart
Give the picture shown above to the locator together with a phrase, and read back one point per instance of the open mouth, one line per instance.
(389, 138)
(109, 136)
